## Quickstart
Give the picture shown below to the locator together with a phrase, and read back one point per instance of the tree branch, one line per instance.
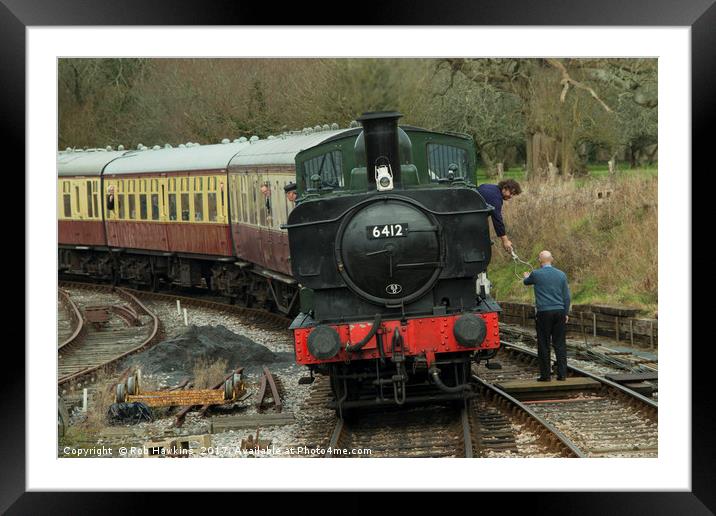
(567, 80)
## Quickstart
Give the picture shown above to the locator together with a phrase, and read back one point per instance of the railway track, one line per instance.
(598, 417)
(491, 425)
(259, 317)
(129, 327)
(84, 349)
(70, 323)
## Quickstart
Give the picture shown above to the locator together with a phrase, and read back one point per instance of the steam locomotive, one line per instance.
(388, 265)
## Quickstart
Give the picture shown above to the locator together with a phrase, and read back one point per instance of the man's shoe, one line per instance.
(561, 378)
(543, 379)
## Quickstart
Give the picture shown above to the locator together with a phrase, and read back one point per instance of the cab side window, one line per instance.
(442, 157)
(328, 166)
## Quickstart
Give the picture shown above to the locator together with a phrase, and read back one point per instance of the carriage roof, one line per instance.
(280, 150)
(85, 163)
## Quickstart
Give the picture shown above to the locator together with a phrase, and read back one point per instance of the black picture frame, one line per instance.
(700, 15)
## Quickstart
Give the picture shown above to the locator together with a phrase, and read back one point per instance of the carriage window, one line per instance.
(244, 201)
(77, 199)
(143, 206)
(155, 207)
(67, 199)
(185, 206)
(89, 199)
(252, 203)
(172, 206)
(198, 206)
(132, 206)
(440, 157)
(329, 166)
(211, 198)
(120, 201)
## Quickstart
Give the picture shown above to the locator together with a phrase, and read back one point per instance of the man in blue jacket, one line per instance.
(553, 300)
(495, 195)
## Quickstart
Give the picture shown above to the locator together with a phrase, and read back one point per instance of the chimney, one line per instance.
(380, 133)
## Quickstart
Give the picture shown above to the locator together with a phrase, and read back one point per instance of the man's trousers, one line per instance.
(551, 328)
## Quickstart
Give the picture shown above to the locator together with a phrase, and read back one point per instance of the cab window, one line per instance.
(328, 166)
(442, 157)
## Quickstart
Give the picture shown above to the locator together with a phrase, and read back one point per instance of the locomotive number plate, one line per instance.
(388, 231)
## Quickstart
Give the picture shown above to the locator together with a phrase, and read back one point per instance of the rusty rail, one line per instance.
(267, 379)
(154, 336)
(75, 316)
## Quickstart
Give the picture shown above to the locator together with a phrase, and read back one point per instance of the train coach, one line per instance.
(193, 215)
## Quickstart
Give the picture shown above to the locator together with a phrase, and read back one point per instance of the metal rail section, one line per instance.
(75, 317)
(139, 307)
(267, 380)
(650, 404)
(256, 315)
(466, 433)
(567, 447)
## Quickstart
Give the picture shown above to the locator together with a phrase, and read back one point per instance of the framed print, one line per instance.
(287, 242)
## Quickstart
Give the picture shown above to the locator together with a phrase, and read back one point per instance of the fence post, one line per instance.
(594, 323)
(651, 333)
(631, 331)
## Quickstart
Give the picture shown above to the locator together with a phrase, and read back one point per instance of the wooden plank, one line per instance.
(570, 383)
(222, 424)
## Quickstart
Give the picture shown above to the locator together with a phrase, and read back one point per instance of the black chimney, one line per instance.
(380, 133)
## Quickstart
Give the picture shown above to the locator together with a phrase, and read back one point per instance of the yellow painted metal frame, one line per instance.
(161, 186)
(81, 207)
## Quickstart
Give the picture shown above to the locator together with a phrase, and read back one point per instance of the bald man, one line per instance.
(553, 300)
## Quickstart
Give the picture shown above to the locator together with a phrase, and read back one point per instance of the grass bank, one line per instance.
(602, 232)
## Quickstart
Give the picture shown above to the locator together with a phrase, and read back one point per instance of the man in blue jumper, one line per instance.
(495, 195)
(553, 301)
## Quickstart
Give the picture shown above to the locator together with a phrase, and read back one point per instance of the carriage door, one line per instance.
(161, 198)
(264, 208)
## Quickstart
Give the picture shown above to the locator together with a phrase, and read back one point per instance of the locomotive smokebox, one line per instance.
(380, 131)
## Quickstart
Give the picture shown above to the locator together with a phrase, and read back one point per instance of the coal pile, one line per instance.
(177, 356)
